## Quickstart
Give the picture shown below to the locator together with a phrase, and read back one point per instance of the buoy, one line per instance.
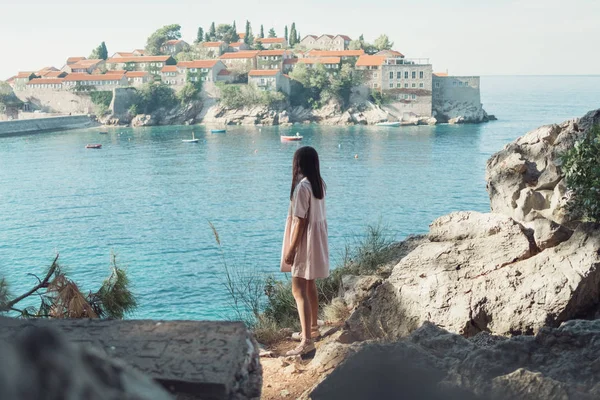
(356, 156)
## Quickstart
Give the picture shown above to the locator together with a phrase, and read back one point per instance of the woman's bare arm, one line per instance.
(299, 226)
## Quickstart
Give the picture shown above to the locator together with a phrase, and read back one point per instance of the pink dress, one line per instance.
(312, 255)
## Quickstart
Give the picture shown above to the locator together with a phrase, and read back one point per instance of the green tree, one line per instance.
(262, 32)
(226, 33)
(286, 33)
(151, 97)
(293, 35)
(99, 53)
(158, 38)
(383, 43)
(272, 33)
(185, 56)
(207, 37)
(191, 91)
(200, 35)
(8, 97)
(212, 33)
(581, 165)
(234, 27)
(249, 38)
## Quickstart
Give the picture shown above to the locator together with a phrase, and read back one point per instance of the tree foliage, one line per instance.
(286, 33)
(226, 33)
(191, 91)
(99, 53)
(200, 35)
(581, 166)
(262, 32)
(383, 43)
(61, 297)
(212, 33)
(158, 38)
(249, 37)
(151, 97)
(293, 39)
(239, 96)
(8, 97)
(272, 33)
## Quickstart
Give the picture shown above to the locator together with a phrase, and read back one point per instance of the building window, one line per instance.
(374, 74)
(398, 75)
(420, 74)
(414, 74)
(414, 96)
(421, 85)
(454, 83)
(460, 83)
(406, 97)
(466, 83)
(399, 85)
(414, 85)
(159, 64)
(142, 65)
(193, 70)
(391, 85)
(406, 85)
(437, 84)
(262, 81)
(391, 74)
(375, 85)
(405, 74)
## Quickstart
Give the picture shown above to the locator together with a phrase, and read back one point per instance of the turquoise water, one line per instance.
(148, 197)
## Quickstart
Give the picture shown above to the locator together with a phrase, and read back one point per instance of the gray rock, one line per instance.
(356, 289)
(547, 234)
(557, 364)
(41, 364)
(484, 276)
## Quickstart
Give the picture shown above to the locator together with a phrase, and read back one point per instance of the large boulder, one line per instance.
(41, 364)
(557, 364)
(525, 180)
(483, 272)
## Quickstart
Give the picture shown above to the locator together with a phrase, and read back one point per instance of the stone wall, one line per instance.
(457, 96)
(121, 102)
(57, 101)
(38, 125)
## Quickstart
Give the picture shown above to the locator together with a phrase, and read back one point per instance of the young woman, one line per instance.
(305, 250)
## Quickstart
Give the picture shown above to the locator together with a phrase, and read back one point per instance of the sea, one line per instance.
(150, 198)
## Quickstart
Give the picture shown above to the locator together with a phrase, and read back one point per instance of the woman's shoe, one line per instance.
(315, 334)
(303, 348)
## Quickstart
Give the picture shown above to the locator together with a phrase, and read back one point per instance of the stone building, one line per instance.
(407, 83)
(138, 78)
(457, 96)
(326, 42)
(331, 64)
(269, 80)
(45, 84)
(238, 46)
(84, 66)
(272, 43)
(241, 61)
(152, 64)
(22, 79)
(211, 49)
(192, 71)
(345, 55)
(174, 47)
(272, 59)
(99, 82)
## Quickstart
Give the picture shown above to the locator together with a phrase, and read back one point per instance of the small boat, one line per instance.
(388, 124)
(93, 146)
(192, 140)
(295, 138)
(103, 133)
(218, 130)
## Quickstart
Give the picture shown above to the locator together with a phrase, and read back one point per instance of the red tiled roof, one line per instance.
(212, 44)
(116, 72)
(11, 79)
(370, 61)
(85, 64)
(124, 54)
(329, 36)
(263, 72)
(46, 81)
(236, 44)
(138, 59)
(271, 40)
(345, 37)
(312, 36)
(73, 60)
(224, 72)
(46, 70)
(320, 60)
(86, 77)
(242, 35)
(290, 61)
(173, 42)
(389, 53)
(53, 74)
(169, 68)
(240, 54)
(197, 64)
(136, 74)
(441, 74)
(24, 74)
(276, 52)
(336, 53)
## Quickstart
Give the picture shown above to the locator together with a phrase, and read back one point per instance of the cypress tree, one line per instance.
(234, 28)
(262, 32)
(272, 33)
(248, 39)
(213, 31)
(206, 37)
(293, 35)
(286, 33)
(200, 35)
(103, 51)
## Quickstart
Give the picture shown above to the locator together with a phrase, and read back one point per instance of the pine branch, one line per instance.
(39, 286)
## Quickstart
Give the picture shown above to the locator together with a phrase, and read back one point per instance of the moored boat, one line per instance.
(218, 130)
(389, 123)
(192, 140)
(295, 138)
(93, 146)
(103, 133)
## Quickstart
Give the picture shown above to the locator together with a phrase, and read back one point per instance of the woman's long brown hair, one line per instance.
(306, 164)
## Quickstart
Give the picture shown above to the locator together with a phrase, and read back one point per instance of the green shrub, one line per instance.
(151, 97)
(102, 98)
(240, 95)
(582, 172)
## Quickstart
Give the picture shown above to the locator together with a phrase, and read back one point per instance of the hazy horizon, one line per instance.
(464, 37)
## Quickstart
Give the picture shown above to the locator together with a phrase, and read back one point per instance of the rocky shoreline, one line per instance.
(213, 114)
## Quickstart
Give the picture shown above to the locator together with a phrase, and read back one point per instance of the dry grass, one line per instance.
(336, 311)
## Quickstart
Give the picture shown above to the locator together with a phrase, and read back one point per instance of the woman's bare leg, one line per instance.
(300, 292)
(313, 297)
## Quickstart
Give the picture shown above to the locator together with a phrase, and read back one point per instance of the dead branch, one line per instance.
(39, 286)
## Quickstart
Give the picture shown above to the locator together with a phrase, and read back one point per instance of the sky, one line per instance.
(463, 37)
